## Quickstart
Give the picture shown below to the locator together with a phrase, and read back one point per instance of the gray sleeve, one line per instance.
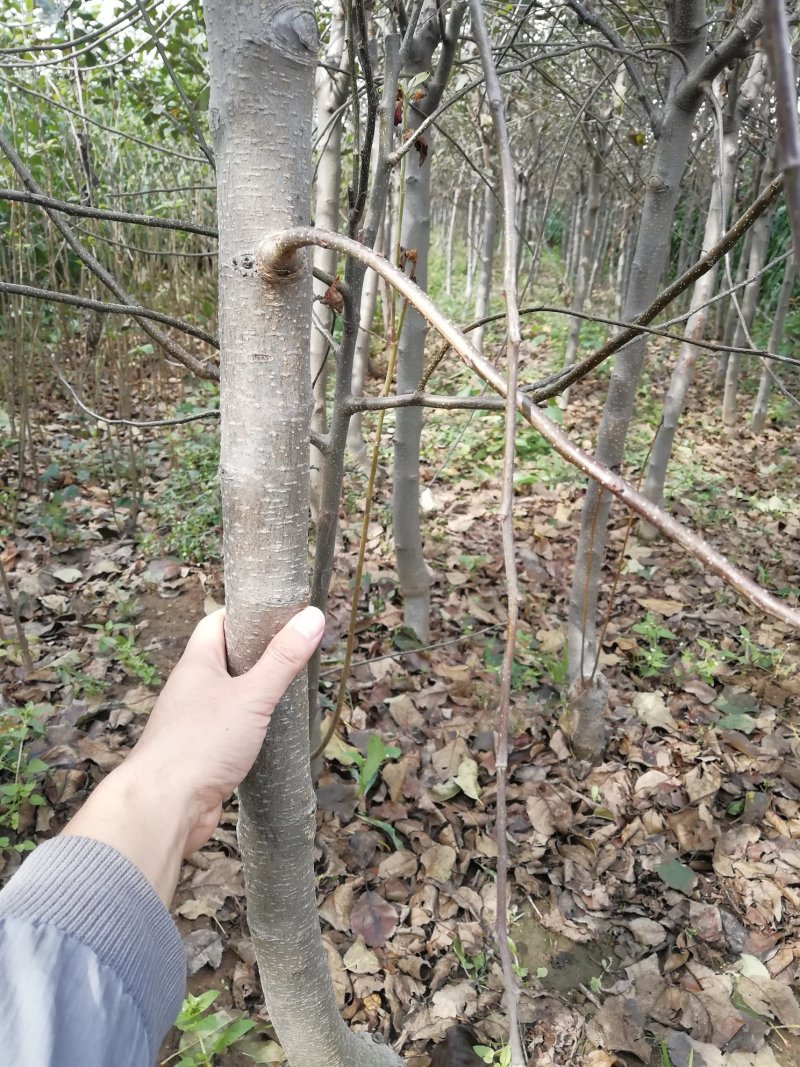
(92, 969)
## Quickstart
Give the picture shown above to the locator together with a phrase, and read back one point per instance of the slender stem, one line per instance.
(494, 98)
(362, 547)
(558, 382)
(24, 647)
(115, 309)
(156, 39)
(177, 351)
(88, 212)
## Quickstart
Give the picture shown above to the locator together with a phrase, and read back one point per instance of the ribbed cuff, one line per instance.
(99, 897)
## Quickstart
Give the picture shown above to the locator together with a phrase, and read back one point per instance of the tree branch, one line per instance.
(558, 382)
(779, 51)
(494, 98)
(278, 253)
(83, 210)
(653, 111)
(733, 47)
(13, 289)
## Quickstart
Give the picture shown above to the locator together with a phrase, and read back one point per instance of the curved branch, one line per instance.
(277, 254)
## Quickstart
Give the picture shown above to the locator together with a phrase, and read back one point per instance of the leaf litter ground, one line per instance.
(656, 896)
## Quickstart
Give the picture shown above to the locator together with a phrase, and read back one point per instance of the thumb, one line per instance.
(286, 655)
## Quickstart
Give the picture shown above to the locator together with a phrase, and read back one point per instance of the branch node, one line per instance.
(278, 265)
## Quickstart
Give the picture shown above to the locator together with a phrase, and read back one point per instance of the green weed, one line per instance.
(652, 658)
(206, 1035)
(21, 775)
(118, 640)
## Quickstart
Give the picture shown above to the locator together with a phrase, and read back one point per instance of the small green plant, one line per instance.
(519, 969)
(474, 967)
(206, 1035)
(707, 661)
(500, 1056)
(186, 508)
(596, 982)
(20, 775)
(665, 1060)
(754, 655)
(118, 640)
(652, 658)
(367, 767)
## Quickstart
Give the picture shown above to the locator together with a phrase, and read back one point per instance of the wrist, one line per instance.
(143, 817)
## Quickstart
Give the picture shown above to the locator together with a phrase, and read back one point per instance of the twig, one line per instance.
(558, 382)
(154, 37)
(143, 424)
(83, 210)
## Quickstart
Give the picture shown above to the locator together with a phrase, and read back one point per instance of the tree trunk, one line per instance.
(716, 222)
(581, 286)
(688, 32)
(451, 234)
(262, 58)
(412, 571)
(748, 303)
(331, 90)
(484, 295)
(472, 245)
(731, 315)
(599, 255)
(761, 405)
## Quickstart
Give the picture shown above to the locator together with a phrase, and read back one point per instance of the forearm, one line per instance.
(142, 819)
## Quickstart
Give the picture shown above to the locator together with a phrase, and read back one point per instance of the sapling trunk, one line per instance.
(262, 58)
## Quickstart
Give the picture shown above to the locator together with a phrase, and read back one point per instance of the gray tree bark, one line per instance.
(472, 244)
(688, 34)
(484, 294)
(412, 570)
(580, 288)
(331, 91)
(716, 222)
(749, 301)
(761, 406)
(262, 57)
(369, 295)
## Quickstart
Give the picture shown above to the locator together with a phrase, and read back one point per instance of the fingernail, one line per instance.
(310, 623)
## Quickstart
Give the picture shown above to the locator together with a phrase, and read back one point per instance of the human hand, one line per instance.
(201, 739)
(207, 728)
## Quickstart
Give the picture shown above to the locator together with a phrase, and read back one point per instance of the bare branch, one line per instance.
(109, 216)
(558, 382)
(494, 98)
(13, 289)
(591, 18)
(733, 47)
(143, 424)
(156, 39)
